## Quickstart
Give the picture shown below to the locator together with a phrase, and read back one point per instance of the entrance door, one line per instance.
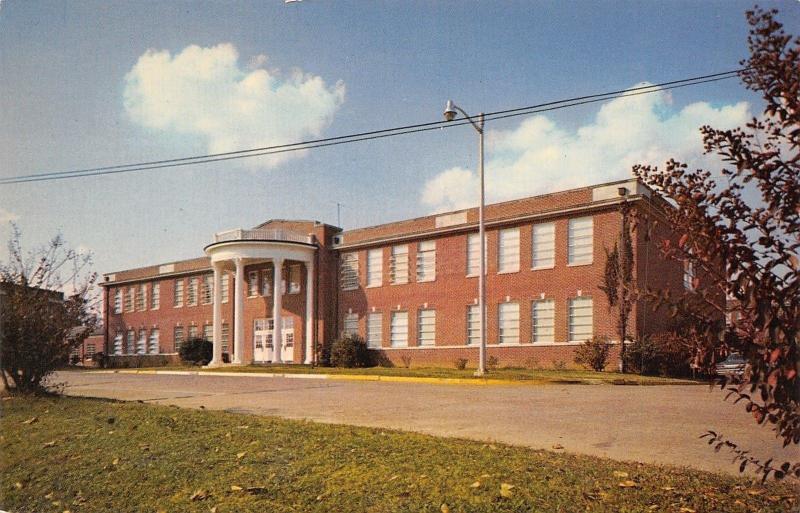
(262, 340)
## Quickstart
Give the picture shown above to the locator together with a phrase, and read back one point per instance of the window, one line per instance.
(90, 350)
(177, 336)
(178, 300)
(294, 279)
(508, 323)
(688, 275)
(192, 331)
(129, 299)
(580, 245)
(374, 268)
(399, 329)
(398, 265)
(118, 343)
(208, 289)
(426, 261)
(426, 327)
(544, 246)
(141, 342)
(580, 319)
(508, 250)
(154, 348)
(191, 295)
(473, 324)
(208, 332)
(544, 313)
(473, 254)
(375, 330)
(266, 282)
(348, 274)
(252, 283)
(141, 297)
(155, 296)
(118, 301)
(225, 336)
(225, 288)
(350, 326)
(130, 343)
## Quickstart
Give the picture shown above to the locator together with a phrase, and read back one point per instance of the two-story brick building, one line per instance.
(409, 288)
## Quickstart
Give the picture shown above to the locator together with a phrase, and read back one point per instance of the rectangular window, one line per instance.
(90, 350)
(348, 273)
(225, 336)
(191, 295)
(118, 301)
(226, 286)
(141, 342)
(208, 332)
(155, 296)
(118, 343)
(581, 243)
(177, 337)
(473, 324)
(294, 278)
(350, 326)
(398, 265)
(426, 261)
(375, 330)
(543, 320)
(426, 327)
(141, 297)
(688, 275)
(178, 299)
(508, 323)
(399, 329)
(130, 343)
(374, 267)
(193, 331)
(508, 250)
(208, 289)
(154, 345)
(544, 246)
(252, 283)
(473, 254)
(580, 319)
(266, 282)
(129, 297)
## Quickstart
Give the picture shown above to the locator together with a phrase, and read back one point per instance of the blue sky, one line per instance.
(86, 84)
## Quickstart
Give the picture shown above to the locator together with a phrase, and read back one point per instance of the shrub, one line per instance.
(492, 362)
(661, 354)
(461, 363)
(593, 353)
(197, 351)
(100, 359)
(532, 363)
(559, 365)
(349, 351)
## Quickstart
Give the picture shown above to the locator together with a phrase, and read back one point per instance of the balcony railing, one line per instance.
(281, 235)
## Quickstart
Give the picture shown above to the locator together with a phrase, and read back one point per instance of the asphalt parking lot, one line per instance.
(653, 424)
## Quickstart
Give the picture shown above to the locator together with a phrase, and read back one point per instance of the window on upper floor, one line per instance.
(508, 323)
(118, 301)
(375, 330)
(252, 283)
(141, 297)
(207, 295)
(226, 286)
(191, 295)
(543, 244)
(426, 327)
(580, 249)
(129, 298)
(295, 277)
(426, 261)
(473, 254)
(508, 250)
(398, 265)
(375, 267)
(348, 272)
(543, 320)
(155, 296)
(178, 293)
(581, 319)
(266, 282)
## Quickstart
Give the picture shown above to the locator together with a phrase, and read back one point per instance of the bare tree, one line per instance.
(618, 283)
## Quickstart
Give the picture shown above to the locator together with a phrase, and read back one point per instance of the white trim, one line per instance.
(475, 346)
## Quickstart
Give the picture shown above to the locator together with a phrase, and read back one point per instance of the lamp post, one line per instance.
(451, 110)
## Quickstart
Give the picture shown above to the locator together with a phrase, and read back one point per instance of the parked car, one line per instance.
(733, 365)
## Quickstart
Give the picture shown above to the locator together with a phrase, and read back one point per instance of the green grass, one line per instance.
(515, 374)
(86, 455)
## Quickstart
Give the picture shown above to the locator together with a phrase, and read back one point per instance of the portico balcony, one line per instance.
(261, 235)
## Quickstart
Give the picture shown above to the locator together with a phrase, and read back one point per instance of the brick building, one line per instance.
(409, 288)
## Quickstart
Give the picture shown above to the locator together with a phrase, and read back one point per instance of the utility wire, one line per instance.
(370, 135)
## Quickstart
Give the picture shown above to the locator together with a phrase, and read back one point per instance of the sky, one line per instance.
(87, 84)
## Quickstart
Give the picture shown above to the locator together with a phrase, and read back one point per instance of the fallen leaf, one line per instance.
(667, 488)
(492, 446)
(49, 496)
(213, 510)
(199, 495)
(505, 490)
(235, 488)
(115, 461)
(628, 484)
(557, 446)
(755, 492)
(485, 476)
(685, 509)
(476, 484)
(240, 455)
(653, 507)
(50, 444)
(31, 420)
(18, 485)
(393, 477)
(445, 508)
(619, 473)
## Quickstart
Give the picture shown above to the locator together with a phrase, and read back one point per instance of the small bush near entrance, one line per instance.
(593, 353)
(350, 351)
(197, 351)
(660, 354)
(492, 362)
(461, 363)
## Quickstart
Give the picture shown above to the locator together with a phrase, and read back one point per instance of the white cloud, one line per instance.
(204, 92)
(538, 157)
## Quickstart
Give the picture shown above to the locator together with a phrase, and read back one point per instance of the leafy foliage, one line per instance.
(461, 363)
(660, 354)
(48, 309)
(741, 233)
(350, 351)
(593, 353)
(197, 351)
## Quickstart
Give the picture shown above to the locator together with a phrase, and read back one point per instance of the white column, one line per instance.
(216, 360)
(309, 312)
(277, 306)
(238, 313)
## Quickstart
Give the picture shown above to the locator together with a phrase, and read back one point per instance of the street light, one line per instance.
(451, 110)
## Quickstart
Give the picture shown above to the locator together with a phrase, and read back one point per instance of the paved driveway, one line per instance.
(658, 424)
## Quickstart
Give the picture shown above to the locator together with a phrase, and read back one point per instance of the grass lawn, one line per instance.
(86, 455)
(535, 375)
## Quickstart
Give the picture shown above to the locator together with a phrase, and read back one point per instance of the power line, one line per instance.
(370, 135)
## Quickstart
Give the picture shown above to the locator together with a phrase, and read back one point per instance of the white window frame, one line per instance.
(375, 267)
(141, 297)
(267, 277)
(375, 330)
(398, 334)
(426, 261)
(508, 250)
(508, 323)
(426, 327)
(192, 332)
(130, 342)
(141, 342)
(252, 283)
(155, 296)
(225, 334)
(130, 299)
(295, 275)
(580, 241)
(118, 301)
(118, 343)
(178, 341)
(577, 310)
(473, 325)
(543, 246)
(208, 332)
(153, 342)
(350, 324)
(192, 291)
(473, 254)
(543, 321)
(225, 289)
(178, 293)
(348, 271)
(398, 265)
(207, 296)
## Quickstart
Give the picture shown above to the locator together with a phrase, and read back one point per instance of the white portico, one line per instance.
(232, 250)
